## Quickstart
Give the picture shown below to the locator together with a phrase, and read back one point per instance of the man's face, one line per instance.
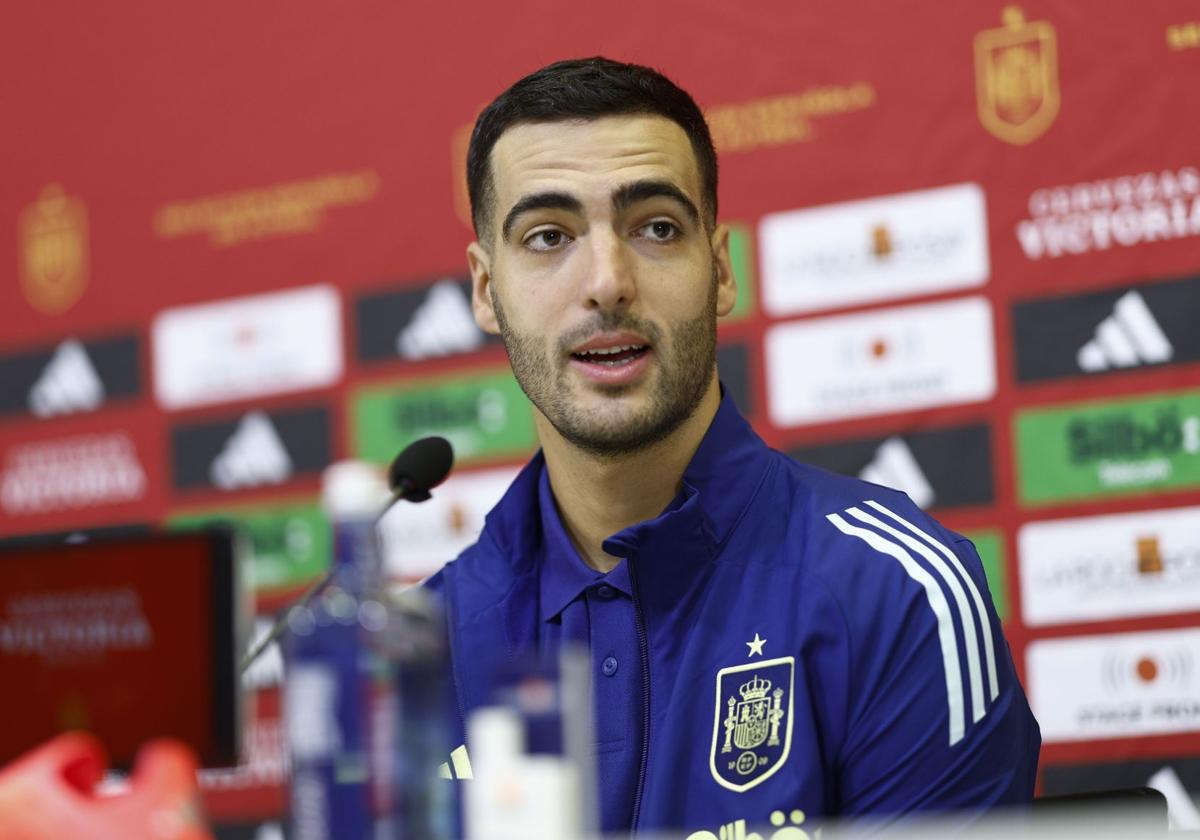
(602, 277)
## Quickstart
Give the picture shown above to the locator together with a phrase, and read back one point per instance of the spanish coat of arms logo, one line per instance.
(752, 722)
(1016, 78)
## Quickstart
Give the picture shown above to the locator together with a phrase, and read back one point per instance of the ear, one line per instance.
(726, 282)
(480, 264)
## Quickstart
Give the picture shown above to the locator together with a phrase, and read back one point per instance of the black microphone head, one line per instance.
(423, 465)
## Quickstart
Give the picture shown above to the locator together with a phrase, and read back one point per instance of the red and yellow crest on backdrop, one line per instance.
(1016, 78)
(53, 236)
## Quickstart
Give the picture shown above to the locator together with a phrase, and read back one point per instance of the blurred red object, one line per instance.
(50, 793)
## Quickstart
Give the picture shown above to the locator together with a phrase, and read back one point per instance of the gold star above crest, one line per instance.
(756, 645)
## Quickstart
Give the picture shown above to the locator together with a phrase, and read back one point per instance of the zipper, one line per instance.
(644, 647)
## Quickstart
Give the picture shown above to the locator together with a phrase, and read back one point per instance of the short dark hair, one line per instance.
(584, 88)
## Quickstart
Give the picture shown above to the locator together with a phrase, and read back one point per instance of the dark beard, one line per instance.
(683, 378)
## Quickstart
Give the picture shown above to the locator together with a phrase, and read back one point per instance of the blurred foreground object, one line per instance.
(51, 793)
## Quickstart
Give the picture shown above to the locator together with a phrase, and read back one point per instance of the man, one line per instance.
(770, 642)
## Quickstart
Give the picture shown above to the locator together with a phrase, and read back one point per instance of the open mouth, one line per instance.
(613, 357)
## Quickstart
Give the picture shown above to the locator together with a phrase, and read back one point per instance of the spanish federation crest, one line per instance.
(752, 722)
(54, 244)
(1016, 78)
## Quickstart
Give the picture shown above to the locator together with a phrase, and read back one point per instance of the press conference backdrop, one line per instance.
(967, 240)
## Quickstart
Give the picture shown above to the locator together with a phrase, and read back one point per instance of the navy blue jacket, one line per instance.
(803, 644)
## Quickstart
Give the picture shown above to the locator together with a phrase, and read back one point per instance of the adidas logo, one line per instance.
(1182, 813)
(252, 456)
(1127, 338)
(894, 466)
(68, 384)
(441, 325)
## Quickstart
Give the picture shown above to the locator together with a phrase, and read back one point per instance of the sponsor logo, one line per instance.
(752, 725)
(1105, 331)
(1128, 338)
(75, 624)
(416, 324)
(76, 376)
(1016, 78)
(248, 347)
(267, 670)
(1107, 448)
(784, 119)
(72, 473)
(1117, 212)
(1115, 686)
(253, 455)
(1184, 36)
(786, 821)
(68, 384)
(288, 544)
(284, 209)
(1108, 567)
(895, 466)
(53, 232)
(483, 416)
(418, 540)
(1172, 777)
(949, 467)
(874, 249)
(880, 362)
(259, 448)
(899, 540)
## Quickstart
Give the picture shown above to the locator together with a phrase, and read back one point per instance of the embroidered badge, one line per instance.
(752, 722)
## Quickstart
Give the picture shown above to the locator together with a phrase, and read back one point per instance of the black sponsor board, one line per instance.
(267, 830)
(733, 365)
(955, 461)
(114, 361)
(1111, 330)
(281, 445)
(1059, 780)
(426, 322)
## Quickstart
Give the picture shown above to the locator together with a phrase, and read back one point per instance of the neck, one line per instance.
(599, 496)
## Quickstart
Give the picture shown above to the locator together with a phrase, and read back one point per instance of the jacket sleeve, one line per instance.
(936, 719)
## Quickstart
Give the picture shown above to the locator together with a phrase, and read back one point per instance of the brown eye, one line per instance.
(546, 240)
(659, 231)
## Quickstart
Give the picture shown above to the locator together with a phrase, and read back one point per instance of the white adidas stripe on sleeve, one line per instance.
(989, 645)
(947, 636)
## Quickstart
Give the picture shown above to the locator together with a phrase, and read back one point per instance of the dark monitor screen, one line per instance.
(129, 638)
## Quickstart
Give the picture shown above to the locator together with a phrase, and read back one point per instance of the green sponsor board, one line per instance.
(483, 416)
(741, 255)
(990, 546)
(289, 544)
(1115, 447)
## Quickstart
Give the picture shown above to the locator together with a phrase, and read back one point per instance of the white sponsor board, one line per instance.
(875, 249)
(72, 473)
(418, 540)
(248, 347)
(1120, 212)
(1098, 568)
(882, 361)
(1118, 685)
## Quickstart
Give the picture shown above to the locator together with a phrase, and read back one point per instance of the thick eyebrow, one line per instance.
(549, 200)
(629, 194)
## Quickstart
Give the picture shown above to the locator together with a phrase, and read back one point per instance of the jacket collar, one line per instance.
(717, 487)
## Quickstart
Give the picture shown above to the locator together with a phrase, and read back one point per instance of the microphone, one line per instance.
(421, 466)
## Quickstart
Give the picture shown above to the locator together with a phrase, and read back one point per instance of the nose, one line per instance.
(610, 282)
